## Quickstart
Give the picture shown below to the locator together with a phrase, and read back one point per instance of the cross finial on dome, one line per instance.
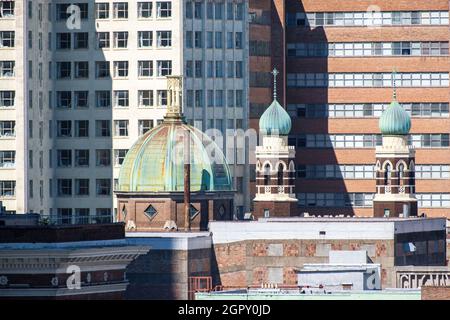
(394, 84)
(275, 73)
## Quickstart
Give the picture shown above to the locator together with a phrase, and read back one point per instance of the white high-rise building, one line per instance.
(81, 81)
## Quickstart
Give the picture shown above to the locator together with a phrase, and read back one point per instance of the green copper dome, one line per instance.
(395, 120)
(155, 162)
(275, 120)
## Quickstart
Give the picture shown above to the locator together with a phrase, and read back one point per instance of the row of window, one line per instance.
(376, 80)
(82, 216)
(215, 98)
(119, 10)
(104, 99)
(81, 187)
(121, 69)
(351, 171)
(363, 110)
(365, 140)
(367, 49)
(234, 69)
(80, 128)
(195, 39)
(120, 40)
(66, 158)
(394, 18)
(341, 200)
(196, 10)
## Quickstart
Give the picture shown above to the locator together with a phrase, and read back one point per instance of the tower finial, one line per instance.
(394, 84)
(275, 74)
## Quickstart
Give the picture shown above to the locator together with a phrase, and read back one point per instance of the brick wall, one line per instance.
(435, 293)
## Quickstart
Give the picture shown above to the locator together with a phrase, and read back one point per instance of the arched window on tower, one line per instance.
(266, 174)
(280, 174)
(387, 174)
(401, 173)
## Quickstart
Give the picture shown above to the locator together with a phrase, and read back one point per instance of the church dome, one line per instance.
(395, 120)
(155, 162)
(275, 120)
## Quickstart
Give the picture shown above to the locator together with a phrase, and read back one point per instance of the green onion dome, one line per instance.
(395, 120)
(275, 120)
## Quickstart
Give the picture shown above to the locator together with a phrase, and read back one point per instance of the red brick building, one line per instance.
(336, 61)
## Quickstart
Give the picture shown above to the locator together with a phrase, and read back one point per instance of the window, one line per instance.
(238, 42)
(103, 40)
(230, 12)
(121, 39)
(121, 128)
(198, 98)
(121, 10)
(102, 10)
(209, 39)
(219, 98)
(64, 187)
(63, 70)
(188, 40)
(145, 10)
(103, 187)
(120, 69)
(102, 128)
(219, 40)
(102, 69)
(230, 69)
(145, 98)
(82, 187)
(163, 9)
(198, 10)
(239, 13)
(164, 68)
(7, 99)
(82, 128)
(198, 68)
(239, 69)
(64, 99)
(82, 158)
(162, 97)
(145, 39)
(7, 9)
(189, 11)
(230, 98)
(189, 69)
(198, 39)
(121, 98)
(64, 129)
(164, 39)
(219, 69)
(103, 99)
(219, 9)
(145, 68)
(7, 69)
(210, 10)
(64, 158)
(210, 98)
(119, 156)
(63, 41)
(7, 188)
(7, 39)
(230, 38)
(239, 98)
(7, 159)
(81, 69)
(103, 157)
(7, 129)
(144, 126)
(81, 40)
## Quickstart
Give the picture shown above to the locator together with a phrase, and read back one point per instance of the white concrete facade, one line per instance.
(76, 161)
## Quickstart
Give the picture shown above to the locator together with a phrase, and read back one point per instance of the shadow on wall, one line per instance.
(317, 194)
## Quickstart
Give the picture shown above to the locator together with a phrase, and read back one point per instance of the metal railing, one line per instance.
(75, 220)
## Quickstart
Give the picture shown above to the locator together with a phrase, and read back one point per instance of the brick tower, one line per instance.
(275, 168)
(395, 195)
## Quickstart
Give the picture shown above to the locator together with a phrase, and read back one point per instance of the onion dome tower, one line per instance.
(275, 168)
(151, 187)
(395, 179)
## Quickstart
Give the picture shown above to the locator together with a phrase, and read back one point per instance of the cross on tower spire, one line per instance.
(275, 73)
